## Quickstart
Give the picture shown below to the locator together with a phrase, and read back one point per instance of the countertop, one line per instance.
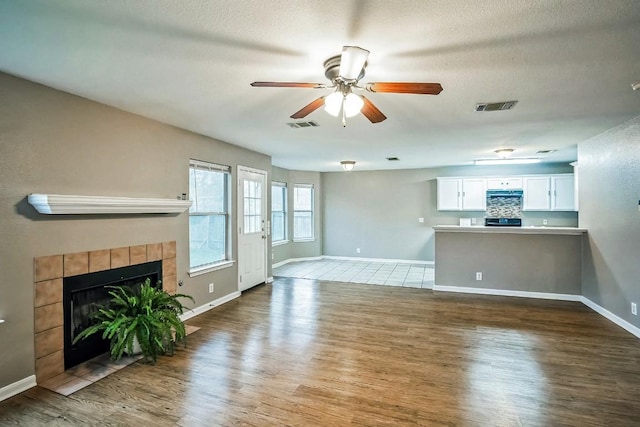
(575, 231)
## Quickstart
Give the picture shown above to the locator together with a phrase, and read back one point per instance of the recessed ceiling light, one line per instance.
(490, 162)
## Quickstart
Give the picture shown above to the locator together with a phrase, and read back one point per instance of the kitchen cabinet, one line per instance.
(461, 194)
(504, 183)
(548, 193)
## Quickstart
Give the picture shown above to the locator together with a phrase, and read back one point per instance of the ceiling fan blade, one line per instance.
(352, 61)
(371, 112)
(308, 109)
(289, 84)
(417, 88)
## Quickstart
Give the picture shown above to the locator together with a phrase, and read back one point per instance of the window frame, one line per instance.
(283, 193)
(225, 213)
(311, 212)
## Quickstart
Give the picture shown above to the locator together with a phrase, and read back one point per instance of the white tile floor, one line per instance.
(374, 273)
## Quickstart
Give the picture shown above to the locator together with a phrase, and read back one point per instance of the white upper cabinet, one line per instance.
(549, 193)
(504, 183)
(537, 193)
(462, 194)
(562, 193)
(449, 194)
(474, 194)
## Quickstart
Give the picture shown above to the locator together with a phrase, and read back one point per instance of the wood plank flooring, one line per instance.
(310, 353)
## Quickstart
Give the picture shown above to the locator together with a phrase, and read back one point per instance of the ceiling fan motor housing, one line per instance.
(332, 68)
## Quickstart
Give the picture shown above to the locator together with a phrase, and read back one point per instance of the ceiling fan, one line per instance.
(345, 71)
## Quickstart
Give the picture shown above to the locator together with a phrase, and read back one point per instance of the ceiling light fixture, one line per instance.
(350, 104)
(347, 165)
(503, 153)
(491, 162)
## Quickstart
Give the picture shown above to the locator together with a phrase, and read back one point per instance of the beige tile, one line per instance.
(138, 254)
(119, 257)
(169, 249)
(56, 381)
(169, 267)
(99, 260)
(72, 386)
(169, 284)
(49, 341)
(48, 267)
(49, 366)
(76, 264)
(48, 292)
(154, 252)
(93, 371)
(47, 317)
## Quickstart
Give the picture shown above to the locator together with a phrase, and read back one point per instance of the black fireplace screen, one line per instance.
(84, 294)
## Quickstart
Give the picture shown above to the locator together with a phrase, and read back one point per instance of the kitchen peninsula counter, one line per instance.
(543, 262)
(510, 230)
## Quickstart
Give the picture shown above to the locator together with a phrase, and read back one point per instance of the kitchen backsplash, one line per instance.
(504, 207)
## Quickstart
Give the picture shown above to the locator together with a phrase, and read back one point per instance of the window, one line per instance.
(278, 212)
(208, 214)
(303, 212)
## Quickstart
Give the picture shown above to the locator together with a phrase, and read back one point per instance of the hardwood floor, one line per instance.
(308, 353)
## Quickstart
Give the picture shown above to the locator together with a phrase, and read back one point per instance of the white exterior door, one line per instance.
(252, 226)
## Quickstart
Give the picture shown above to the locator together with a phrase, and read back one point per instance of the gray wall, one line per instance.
(378, 211)
(53, 142)
(519, 262)
(291, 249)
(609, 178)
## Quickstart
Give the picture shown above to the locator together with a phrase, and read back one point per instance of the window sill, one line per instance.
(208, 269)
(303, 240)
(280, 243)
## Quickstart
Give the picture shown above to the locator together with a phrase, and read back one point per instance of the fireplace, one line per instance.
(83, 294)
(52, 270)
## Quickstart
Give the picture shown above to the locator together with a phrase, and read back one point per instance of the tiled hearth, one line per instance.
(48, 309)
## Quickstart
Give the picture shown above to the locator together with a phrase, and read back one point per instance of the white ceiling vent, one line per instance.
(297, 125)
(496, 106)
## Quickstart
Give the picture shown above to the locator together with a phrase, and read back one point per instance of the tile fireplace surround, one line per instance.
(48, 274)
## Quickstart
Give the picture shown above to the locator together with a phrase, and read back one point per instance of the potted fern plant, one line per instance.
(147, 316)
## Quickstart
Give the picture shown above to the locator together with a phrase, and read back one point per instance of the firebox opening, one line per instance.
(83, 293)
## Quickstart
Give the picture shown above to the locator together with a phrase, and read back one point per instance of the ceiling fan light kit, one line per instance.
(344, 71)
(348, 165)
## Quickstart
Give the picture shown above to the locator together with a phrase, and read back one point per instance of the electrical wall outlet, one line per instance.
(357, 250)
(479, 275)
(634, 309)
(421, 220)
(474, 221)
(545, 222)
(210, 288)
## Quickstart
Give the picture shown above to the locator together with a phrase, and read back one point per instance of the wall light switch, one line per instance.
(634, 309)
(479, 275)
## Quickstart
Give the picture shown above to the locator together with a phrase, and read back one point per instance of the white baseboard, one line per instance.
(356, 259)
(612, 317)
(269, 279)
(208, 306)
(397, 261)
(17, 387)
(508, 293)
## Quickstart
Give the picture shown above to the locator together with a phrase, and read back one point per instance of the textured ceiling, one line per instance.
(189, 63)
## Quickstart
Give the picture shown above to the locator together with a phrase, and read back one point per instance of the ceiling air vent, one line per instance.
(297, 125)
(545, 151)
(496, 106)
(393, 159)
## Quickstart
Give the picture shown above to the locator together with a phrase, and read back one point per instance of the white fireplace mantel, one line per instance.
(56, 204)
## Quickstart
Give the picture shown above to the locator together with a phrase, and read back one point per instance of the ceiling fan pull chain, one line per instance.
(344, 116)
